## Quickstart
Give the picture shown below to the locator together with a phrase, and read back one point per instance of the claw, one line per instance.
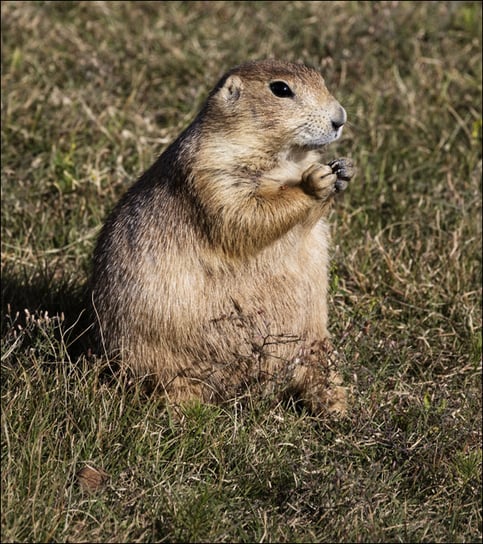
(343, 169)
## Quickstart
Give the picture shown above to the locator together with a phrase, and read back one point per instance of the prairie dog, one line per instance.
(210, 275)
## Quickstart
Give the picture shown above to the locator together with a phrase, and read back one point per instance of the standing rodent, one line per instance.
(210, 275)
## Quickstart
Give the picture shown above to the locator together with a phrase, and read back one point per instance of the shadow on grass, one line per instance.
(44, 295)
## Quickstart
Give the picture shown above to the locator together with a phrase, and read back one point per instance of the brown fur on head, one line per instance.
(253, 121)
(221, 247)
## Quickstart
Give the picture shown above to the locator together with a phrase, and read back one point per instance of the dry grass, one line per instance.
(91, 93)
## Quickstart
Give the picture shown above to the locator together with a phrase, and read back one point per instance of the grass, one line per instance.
(91, 93)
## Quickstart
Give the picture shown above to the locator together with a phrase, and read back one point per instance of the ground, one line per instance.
(92, 92)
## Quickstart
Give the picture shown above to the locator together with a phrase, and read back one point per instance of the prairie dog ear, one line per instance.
(231, 89)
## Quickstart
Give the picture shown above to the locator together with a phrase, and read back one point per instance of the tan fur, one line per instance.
(210, 275)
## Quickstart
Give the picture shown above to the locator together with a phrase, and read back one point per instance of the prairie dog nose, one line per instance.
(339, 117)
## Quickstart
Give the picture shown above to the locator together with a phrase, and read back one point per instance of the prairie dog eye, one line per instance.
(281, 89)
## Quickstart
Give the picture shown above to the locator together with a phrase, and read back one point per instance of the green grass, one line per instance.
(91, 94)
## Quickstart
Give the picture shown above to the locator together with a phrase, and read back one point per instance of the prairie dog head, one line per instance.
(280, 105)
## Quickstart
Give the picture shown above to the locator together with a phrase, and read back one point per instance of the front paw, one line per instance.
(319, 181)
(344, 169)
(323, 180)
